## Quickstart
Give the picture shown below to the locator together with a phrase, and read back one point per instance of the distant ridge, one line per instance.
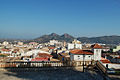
(45, 38)
(114, 39)
(103, 39)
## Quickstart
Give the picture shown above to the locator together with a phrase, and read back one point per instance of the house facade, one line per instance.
(75, 45)
(78, 56)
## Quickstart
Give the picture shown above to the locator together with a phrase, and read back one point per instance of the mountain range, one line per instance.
(45, 38)
(114, 39)
(103, 39)
(68, 38)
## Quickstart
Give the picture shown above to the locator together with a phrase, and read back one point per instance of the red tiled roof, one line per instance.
(6, 50)
(103, 60)
(51, 47)
(97, 46)
(14, 51)
(78, 51)
(44, 55)
(40, 59)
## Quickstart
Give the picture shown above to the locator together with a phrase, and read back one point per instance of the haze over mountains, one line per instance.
(68, 38)
(45, 38)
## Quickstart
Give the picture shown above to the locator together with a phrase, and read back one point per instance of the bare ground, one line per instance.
(56, 74)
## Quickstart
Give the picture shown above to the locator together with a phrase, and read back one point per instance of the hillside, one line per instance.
(68, 38)
(103, 39)
(45, 38)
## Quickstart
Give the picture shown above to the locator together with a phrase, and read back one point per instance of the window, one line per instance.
(96, 50)
(78, 57)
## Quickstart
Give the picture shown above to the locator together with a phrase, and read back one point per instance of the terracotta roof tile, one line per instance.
(78, 51)
(40, 59)
(97, 46)
(44, 55)
(51, 47)
(6, 50)
(103, 60)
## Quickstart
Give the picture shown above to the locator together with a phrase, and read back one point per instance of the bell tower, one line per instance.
(97, 49)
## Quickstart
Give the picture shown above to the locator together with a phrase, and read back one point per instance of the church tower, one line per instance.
(97, 49)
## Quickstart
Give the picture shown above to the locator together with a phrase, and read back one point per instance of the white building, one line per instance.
(116, 49)
(75, 45)
(5, 51)
(34, 52)
(53, 42)
(20, 43)
(80, 55)
(78, 46)
(5, 43)
(70, 46)
(97, 49)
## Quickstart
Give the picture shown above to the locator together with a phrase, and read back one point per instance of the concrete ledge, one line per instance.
(80, 68)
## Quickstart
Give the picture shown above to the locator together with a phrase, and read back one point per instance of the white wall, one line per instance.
(35, 52)
(70, 46)
(53, 42)
(114, 66)
(80, 57)
(78, 46)
(5, 43)
(97, 54)
(6, 52)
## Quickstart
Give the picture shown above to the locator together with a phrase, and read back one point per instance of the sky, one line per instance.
(27, 19)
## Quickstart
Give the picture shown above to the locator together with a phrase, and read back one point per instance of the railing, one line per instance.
(80, 63)
(101, 67)
(33, 64)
